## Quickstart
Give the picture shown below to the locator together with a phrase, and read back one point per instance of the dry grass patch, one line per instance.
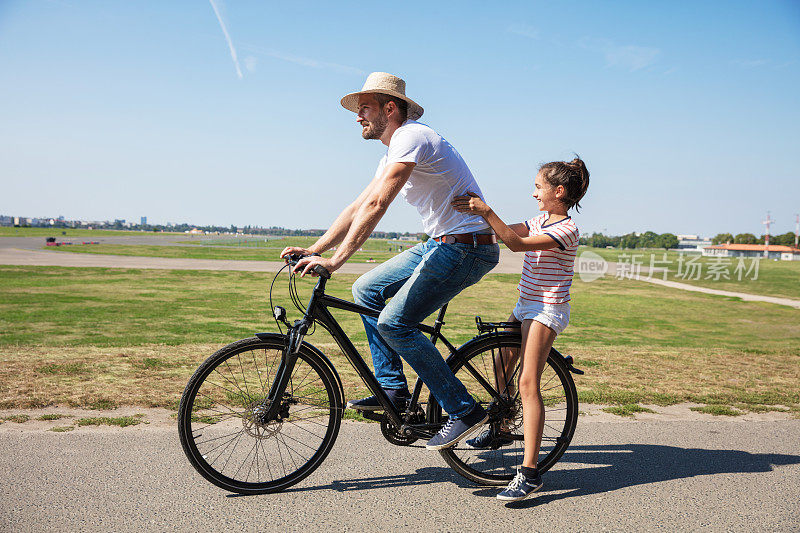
(18, 419)
(119, 421)
(52, 416)
(628, 409)
(664, 377)
(717, 410)
(155, 376)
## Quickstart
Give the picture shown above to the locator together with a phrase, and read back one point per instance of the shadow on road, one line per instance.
(602, 469)
(422, 476)
(612, 467)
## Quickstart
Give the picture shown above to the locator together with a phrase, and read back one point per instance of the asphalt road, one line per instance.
(711, 475)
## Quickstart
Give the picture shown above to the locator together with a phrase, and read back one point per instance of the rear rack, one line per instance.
(492, 327)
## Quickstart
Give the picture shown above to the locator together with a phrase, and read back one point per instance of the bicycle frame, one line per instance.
(318, 310)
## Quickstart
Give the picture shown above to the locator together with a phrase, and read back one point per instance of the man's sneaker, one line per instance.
(456, 429)
(399, 397)
(488, 441)
(520, 488)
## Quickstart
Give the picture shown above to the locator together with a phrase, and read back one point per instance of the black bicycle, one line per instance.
(262, 413)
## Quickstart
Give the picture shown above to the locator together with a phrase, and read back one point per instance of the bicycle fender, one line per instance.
(492, 337)
(477, 341)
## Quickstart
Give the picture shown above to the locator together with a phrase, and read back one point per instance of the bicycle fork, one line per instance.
(277, 391)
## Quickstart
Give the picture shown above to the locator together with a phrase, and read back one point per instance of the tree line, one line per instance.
(648, 239)
(785, 239)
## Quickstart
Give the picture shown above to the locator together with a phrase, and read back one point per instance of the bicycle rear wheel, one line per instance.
(227, 441)
(498, 466)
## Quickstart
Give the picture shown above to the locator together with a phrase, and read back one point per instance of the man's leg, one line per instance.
(372, 290)
(445, 270)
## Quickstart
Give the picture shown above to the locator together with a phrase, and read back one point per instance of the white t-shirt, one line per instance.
(438, 175)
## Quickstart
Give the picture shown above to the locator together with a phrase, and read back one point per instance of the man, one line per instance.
(428, 172)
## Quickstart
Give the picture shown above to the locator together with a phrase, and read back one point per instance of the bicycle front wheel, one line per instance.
(497, 464)
(226, 439)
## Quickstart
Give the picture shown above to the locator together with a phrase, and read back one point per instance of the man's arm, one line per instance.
(377, 198)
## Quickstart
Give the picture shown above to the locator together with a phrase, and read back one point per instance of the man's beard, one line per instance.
(374, 130)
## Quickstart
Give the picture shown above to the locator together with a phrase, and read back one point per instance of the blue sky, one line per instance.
(686, 113)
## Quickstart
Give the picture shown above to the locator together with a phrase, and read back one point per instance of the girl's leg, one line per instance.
(504, 362)
(537, 340)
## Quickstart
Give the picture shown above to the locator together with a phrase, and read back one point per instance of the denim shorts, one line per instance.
(554, 316)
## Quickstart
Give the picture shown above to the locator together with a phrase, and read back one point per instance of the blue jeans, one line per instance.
(419, 281)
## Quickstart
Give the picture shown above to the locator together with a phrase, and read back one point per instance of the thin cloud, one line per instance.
(629, 57)
(303, 61)
(250, 63)
(524, 30)
(227, 38)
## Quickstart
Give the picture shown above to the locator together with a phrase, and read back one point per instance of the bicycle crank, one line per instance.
(393, 434)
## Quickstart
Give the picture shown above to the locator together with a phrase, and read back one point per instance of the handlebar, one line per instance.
(320, 270)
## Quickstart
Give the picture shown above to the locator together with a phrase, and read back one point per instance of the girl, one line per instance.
(550, 241)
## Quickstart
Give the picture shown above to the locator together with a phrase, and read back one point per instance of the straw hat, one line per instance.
(381, 82)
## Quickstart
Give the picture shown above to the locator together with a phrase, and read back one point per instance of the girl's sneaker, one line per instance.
(488, 441)
(520, 487)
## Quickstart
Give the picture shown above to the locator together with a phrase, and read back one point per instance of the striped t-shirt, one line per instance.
(547, 274)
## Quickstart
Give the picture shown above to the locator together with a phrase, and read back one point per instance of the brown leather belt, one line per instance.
(468, 238)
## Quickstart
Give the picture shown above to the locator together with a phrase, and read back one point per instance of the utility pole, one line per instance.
(796, 229)
(766, 237)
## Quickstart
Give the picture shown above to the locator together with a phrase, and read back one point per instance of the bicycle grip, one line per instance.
(321, 271)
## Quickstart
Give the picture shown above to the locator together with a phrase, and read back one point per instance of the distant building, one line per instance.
(144, 221)
(692, 242)
(786, 253)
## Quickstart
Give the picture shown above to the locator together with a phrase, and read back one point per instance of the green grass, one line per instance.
(206, 252)
(627, 409)
(62, 429)
(69, 232)
(349, 414)
(375, 245)
(717, 410)
(18, 419)
(98, 338)
(119, 421)
(65, 369)
(774, 278)
(52, 416)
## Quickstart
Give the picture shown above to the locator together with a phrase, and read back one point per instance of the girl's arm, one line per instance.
(514, 237)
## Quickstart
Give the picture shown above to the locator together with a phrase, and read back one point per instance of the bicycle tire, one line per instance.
(498, 467)
(218, 416)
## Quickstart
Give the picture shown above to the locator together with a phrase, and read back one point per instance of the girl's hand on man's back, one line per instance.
(470, 203)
